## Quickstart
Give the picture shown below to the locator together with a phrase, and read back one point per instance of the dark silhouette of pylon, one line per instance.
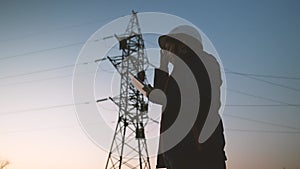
(129, 146)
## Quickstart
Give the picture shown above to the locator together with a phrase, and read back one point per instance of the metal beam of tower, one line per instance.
(129, 147)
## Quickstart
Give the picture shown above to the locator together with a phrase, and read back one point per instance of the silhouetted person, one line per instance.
(189, 153)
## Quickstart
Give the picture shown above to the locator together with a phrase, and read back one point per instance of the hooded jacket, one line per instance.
(206, 71)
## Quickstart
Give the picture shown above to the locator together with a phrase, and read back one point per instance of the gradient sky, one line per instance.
(254, 37)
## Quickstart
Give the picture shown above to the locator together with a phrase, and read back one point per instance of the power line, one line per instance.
(46, 32)
(82, 42)
(67, 66)
(38, 71)
(230, 72)
(50, 78)
(83, 103)
(42, 70)
(41, 50)
(39, 129)
(262, 75)
(261, 121)
(43, 108)
(260, 97)
(72, 104)
(261, 105)
(53, 48)
(39, 80)
(266, 81)
(252, 74)
(257, 75)
(72, 65)
(262, 131)
(274, 84)
(44, 79)
(229, 115)
(47, 49)
(47, 70)
(60, 28)
(248, 75)
(226, 129)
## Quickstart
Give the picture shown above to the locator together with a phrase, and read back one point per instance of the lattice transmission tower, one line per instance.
(129, 146)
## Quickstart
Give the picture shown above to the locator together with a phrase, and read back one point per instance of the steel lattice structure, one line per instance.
(129, 146)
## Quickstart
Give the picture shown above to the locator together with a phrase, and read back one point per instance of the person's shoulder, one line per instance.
(208, 57)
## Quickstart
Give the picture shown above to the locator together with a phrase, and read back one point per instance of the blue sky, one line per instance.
(252, 37)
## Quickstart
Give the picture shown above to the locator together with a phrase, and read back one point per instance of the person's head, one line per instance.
(170, 46)
(183, 34)
(173, 47)
(179, 39)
